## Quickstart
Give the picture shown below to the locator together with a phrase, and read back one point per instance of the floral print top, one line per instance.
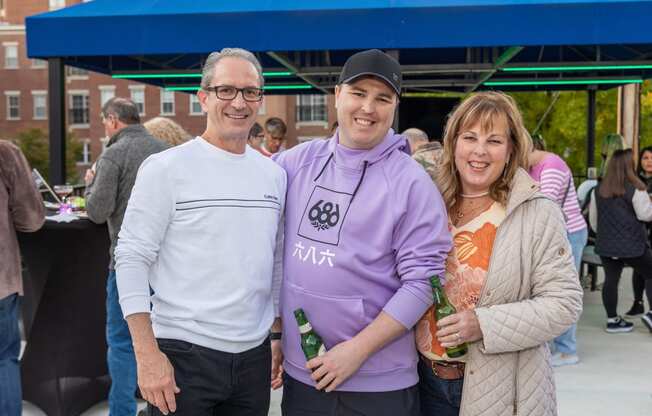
(466, 270)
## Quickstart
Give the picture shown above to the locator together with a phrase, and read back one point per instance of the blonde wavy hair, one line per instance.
(483, 108)
(167, 130)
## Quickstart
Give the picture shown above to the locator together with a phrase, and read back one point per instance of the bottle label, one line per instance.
(305, 328)
(322, 350)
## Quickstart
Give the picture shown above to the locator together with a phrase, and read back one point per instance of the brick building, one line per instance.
(24, 89)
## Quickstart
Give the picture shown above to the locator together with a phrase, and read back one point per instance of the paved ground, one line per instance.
(614, 377)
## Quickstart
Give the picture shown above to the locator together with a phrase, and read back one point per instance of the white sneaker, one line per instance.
(560, 359)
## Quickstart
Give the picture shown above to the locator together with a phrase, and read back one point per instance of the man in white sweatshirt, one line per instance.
(196, 214)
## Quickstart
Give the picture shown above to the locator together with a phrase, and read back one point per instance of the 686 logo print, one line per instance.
(323, 216)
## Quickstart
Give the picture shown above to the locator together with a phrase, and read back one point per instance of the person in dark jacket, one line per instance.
(618, 212)
(21, 209)
(638, 282)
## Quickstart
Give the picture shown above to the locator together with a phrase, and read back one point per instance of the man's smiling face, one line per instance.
(365, 112)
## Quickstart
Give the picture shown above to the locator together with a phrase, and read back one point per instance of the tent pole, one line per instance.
(57, 121)
(590, 129)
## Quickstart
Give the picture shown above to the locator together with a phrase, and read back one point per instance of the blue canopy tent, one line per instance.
(443, 45)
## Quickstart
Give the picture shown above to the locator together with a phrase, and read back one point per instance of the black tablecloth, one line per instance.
(64, 365)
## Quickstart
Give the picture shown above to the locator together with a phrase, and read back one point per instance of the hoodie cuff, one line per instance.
(135, 304)
(406, 307)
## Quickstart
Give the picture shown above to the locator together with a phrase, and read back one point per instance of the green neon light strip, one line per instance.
(153, 76)
(182, 89)
(266, 87)
(190, 75)
(574, 68)
(563, 82)
(288, 87)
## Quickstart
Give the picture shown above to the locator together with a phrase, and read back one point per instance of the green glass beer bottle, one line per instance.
(311, 342)
(442, 309)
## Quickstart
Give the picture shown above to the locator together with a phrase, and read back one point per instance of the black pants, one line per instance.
(303, 400)
(638, 284)
(613, 267)
(215, 383)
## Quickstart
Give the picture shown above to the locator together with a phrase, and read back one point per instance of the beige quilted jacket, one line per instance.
(532, 294)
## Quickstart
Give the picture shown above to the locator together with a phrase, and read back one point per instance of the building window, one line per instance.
(311, 108)
(195, 106)
(11, 55)
(57, 4)
(39, 63)
(71, 71)
(79, 108)
(138, 97)
(106, 93)
(85, 153)
(167, 103)
(40, 105)
(13, 105)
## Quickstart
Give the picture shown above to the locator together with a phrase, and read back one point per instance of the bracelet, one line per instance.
(275, 335)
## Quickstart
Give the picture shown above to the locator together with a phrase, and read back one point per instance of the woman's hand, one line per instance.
(459, 328)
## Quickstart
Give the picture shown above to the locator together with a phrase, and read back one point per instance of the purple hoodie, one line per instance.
(364, 230)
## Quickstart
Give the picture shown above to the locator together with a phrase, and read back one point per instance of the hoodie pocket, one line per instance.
(334, 318)
(338, 318)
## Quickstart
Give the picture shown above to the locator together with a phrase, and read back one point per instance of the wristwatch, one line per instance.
(275, 335)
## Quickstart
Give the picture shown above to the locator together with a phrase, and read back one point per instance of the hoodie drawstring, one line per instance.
(324, 167)
(364, 170)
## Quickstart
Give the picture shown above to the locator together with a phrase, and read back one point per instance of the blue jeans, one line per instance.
(10, 392)
(438, 397)
(566, 343)
(120, 355)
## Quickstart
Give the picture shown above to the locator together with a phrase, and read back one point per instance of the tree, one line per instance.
(36, 146)
(565, 127)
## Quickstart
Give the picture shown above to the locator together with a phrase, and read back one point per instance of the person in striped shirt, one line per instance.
(556, 181)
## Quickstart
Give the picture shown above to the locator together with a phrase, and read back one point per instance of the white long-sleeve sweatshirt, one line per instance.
(201, 229)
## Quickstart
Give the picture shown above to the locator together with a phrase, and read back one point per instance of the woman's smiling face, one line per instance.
(481, 156)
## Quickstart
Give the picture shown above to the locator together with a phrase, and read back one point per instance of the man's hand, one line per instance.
(156, 380)
(277, 364)
(337, 365)
(88, 177)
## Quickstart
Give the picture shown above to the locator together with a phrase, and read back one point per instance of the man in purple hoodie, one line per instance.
(364, 230)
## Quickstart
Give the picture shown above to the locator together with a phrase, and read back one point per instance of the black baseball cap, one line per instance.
(375, 63)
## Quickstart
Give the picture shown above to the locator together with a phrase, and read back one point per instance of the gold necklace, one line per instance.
(474, 209)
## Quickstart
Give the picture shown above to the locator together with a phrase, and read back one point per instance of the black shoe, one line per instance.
(647, 320)
(618, 324)
(636, 309)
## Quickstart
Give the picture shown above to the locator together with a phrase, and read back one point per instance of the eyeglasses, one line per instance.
(227, 92)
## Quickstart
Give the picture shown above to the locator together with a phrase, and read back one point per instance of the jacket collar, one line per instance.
(127, 131)
(524, 189)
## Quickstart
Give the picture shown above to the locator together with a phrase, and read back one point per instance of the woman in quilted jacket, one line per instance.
(510, 274)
